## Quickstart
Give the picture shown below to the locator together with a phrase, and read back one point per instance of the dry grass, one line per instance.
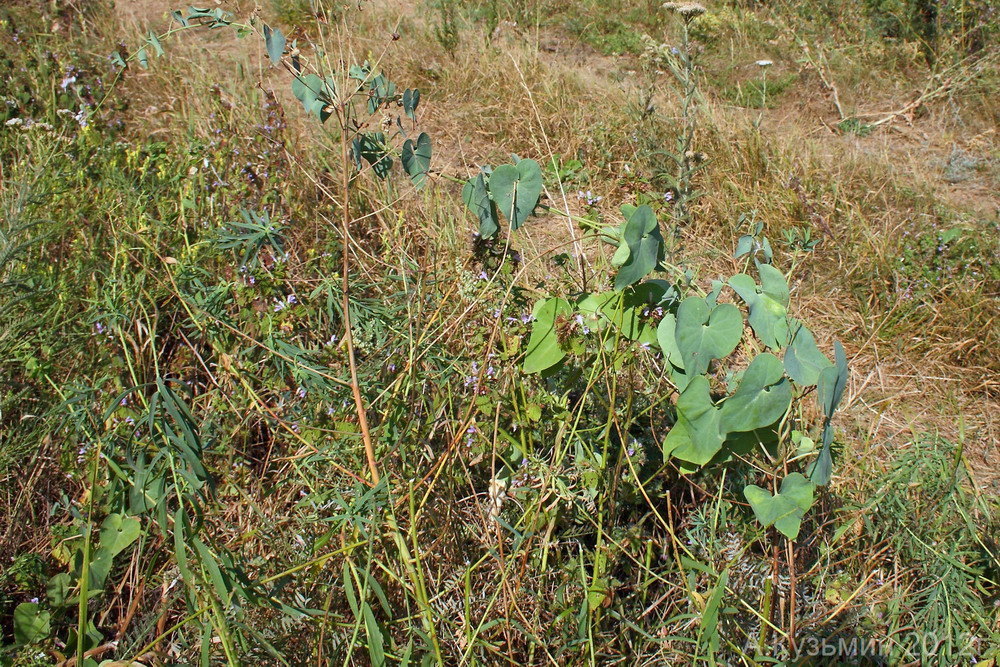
(930, 371)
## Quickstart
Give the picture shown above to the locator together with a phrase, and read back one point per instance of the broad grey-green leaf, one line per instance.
(785, 509)
(768, 312)
(544, 350)
(803, 360)
(59, 589)
(274, 40)
(31, 623)
(627, 210)
(314, 93)
(652, 293)
(704, 333)
(697, 436)
(416, 159)
(477, 197)
(627, 317)
(372, 147)
(100, 567)
(666, 337)
(821, 471)
(645, 244)
(773, 284)
(832, 382)
(307, 89)
(154, 42)
(745, 286)
(743, 246)
(411, 98)
(516, 189)
(762, 398)
(622, 253)
(712, 297)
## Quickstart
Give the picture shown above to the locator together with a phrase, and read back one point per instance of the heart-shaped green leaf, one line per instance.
(516, 189)
(786, 509)
(645, 245)
(477, 197)
(697, 435)
(762, 398)
(803, 360)
(118, 532)
(416, 159)
(544, 350)
(31, 624)
(704, 333)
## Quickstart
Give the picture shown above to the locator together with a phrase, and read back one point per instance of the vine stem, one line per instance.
(345, 219)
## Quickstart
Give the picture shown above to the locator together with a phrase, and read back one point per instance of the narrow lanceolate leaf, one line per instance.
(516, 190)
(416, 159)
(274, 40)
(376, 643)
(544, 350)
(645, 247)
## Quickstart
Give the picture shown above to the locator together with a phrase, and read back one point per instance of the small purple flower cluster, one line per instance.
(592, 199)
(473, 379)
(281, 304)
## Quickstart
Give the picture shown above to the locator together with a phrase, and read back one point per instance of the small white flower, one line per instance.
(764, 63)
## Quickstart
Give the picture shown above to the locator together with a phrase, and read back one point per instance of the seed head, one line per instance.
(688, 10)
